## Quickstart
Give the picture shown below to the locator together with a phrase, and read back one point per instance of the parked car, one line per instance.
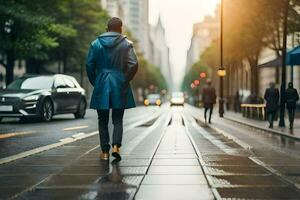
(177, 98)
(153, 99)
(43, 96)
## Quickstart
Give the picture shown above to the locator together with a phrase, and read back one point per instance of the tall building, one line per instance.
(160, 50)
(135, 15)
(112, 7)
(203, 35)
(136, 18)
(151, 39)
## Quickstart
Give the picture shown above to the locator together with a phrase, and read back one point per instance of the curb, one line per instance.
(266, 130)
(229, 136)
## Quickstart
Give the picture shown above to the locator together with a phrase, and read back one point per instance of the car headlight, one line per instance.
(31, 98)
(146, 102)
(158, 102)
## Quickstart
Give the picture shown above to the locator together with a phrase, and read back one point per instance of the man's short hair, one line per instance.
(114, 24)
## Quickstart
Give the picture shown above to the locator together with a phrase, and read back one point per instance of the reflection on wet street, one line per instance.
(110, 186)
(169, 153)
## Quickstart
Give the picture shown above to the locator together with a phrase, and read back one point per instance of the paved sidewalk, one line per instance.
(175, 171)
(74, 171)
(158, 162)
(264, 124)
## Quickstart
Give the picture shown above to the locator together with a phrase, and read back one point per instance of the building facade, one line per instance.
(135, 15)
(151, 39)
(160, 50)
(203, 35)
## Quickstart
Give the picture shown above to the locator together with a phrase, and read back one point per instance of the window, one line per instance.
(33, 83)
(59, 82)
(69, 83)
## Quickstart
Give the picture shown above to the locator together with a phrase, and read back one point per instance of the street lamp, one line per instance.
(221, 71)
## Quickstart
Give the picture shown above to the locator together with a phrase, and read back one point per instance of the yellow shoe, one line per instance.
(104, 156)
(116, 152)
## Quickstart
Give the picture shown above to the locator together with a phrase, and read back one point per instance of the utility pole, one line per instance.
(283, 67)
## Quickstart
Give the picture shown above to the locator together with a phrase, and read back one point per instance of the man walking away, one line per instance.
(111, 64)
(291, 97)
(208, 99)
(272, 99)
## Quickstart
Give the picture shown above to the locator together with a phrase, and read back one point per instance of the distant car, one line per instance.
(153, 99)
(43, 97)
(177, 98)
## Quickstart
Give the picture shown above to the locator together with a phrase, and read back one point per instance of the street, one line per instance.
(167, 153)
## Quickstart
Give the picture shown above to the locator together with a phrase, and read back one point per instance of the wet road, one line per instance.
(168, 153)
(18, 136)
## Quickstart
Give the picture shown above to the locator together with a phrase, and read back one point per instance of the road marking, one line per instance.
(75, 128)
(78, 135)
(9, 135)
(66, 141)
(44, 148)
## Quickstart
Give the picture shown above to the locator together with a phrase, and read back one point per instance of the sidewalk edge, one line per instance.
(275, 132)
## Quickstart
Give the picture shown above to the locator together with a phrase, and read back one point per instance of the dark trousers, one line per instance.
(117, 120)
(291, 112)
(271, 117)
(210, 112)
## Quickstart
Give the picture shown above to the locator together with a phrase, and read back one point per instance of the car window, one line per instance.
(177, 95)
(32, 83)
(69, 83)
(153, 96)
(59, 82)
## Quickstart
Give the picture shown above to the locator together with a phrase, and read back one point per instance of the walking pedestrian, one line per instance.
(291, 98)
(208, 99)
(111, 65)
(272, 99)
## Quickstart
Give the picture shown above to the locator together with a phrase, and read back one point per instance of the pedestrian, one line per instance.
(272, 99)
(291, 98)
(111, 65)
(208, 99)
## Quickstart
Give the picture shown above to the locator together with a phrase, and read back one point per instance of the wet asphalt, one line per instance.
(167, 153)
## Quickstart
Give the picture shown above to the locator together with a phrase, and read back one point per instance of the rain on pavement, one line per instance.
(168, 153)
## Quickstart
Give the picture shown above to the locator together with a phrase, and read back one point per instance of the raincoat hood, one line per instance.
(111, 39)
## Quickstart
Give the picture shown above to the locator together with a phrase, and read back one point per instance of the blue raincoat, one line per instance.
(111, 64)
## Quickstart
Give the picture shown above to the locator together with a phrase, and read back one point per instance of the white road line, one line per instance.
(74, 128)
(78, 135)
(44, 148)
(68, 140)
(9, 135)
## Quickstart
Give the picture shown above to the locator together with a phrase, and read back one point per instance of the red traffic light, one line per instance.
(202, 75)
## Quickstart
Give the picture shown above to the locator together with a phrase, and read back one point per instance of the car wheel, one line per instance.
(81, 110)
(47, 111)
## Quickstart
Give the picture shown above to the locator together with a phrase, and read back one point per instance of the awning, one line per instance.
(292, 58)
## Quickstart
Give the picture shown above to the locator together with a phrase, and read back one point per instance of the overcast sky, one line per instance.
(178, 17)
